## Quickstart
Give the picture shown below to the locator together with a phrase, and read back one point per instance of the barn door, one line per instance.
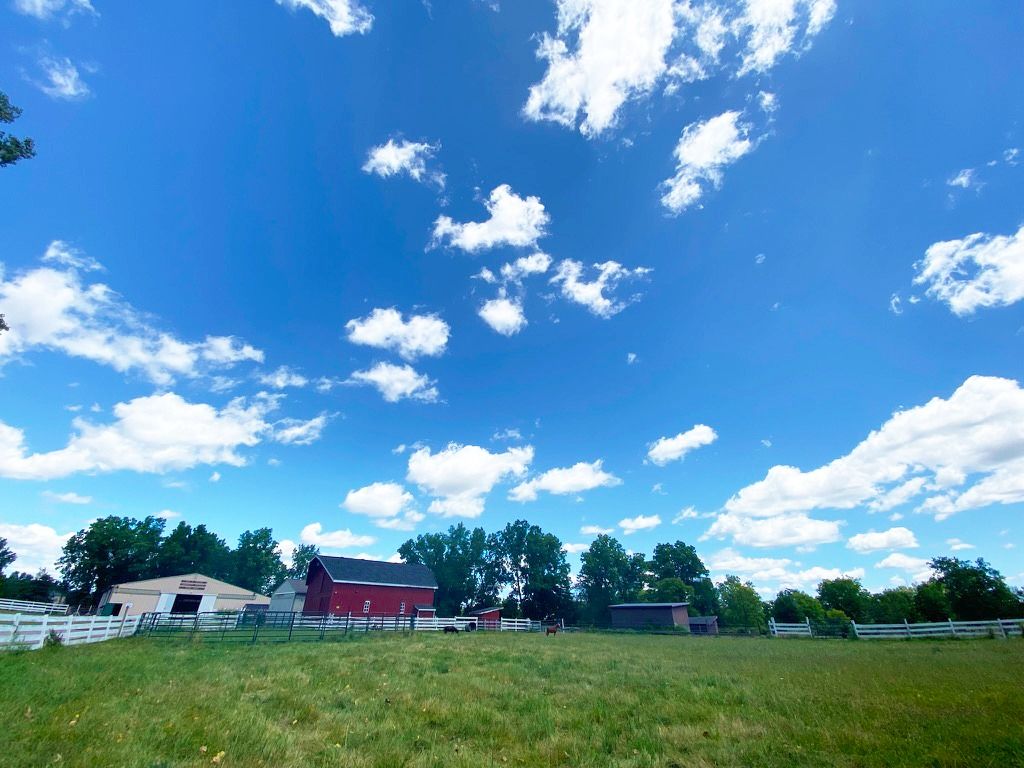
(206, 604)
(163, 605)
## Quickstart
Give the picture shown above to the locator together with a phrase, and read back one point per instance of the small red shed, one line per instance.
(342, 585)
(487, 614)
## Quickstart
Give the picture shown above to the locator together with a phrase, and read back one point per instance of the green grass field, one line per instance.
(506, 699)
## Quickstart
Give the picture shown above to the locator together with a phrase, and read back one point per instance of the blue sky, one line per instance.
(763, 271)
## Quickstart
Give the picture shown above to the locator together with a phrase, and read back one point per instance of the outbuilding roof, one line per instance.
(647, 605)
(352, 570)
(298, 586)
(698, 620)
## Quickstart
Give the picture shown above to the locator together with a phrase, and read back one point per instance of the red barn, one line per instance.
(342, 585)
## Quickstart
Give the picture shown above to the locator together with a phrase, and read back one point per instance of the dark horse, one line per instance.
(451, 629)
(552, 630)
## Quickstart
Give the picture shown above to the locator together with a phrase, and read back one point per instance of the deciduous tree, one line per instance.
(459, 561)
(740, 605)
(194, 550)
(301, 558)
(256, 562)
(533, 565)
(110, 551)
(12, 149)
(846, 595)
(976, 590)
(892, 606)
(608, 575)
(792, 605)
(7, 556)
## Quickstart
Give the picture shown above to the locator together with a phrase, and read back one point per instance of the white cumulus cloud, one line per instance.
(36, 546)
(606, 53)
(408, 157)
(969, 448)
(620, 49)
(975, 272)
(513, 220)
(420, 335)
(282, 378)
(704, 150)
(300, 431)
(460, 476)
(591, 294)
(314, 533)
(45, 10)
(158, 433)
(504, 315)
(378, 500)
(666, 449)
(873, 541)
(630, 525)
(581, 476)
(70, 497)
(62, 79)
(51, 308)
(397, 382)
(781, 531)
(345, 17)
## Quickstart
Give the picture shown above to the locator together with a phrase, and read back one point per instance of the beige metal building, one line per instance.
(188, 593)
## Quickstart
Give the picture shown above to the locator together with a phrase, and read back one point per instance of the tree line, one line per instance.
(521, 568)
(524, 570)
(114, 550)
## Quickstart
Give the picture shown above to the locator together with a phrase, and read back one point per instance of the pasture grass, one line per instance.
(505, 699)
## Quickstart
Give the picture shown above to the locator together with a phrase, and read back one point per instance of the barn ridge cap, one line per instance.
(354, 570)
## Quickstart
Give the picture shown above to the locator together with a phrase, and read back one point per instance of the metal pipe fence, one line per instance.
(269, 626)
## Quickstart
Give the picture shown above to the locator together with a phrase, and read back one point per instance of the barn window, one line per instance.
(366, 607)
(401, 609)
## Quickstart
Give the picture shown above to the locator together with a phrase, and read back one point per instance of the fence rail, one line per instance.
(19, 631)
(965, 629)
(31, 606)
(290, 627)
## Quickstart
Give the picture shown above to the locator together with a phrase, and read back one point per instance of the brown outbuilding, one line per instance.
(650, 615)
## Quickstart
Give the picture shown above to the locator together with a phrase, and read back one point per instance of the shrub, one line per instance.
(53, 639)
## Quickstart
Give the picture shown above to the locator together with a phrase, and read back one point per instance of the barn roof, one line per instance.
(352, 570)
(647, 605)
(478, 611)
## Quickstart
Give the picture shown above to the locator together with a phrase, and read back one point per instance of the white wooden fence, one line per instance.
(463, 622)
(996, 627)
(27, 631)
(965, 629)
(784, 629)
(30, 606)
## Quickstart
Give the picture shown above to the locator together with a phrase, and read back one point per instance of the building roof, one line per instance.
(352, 570)
(192, 583)
(298, 586)
(703, 620)
(424, 607)
(647, 605)
(478, 611)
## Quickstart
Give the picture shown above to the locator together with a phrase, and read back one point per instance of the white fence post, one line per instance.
(952, 626)
(853, 624)
(810, 632)
(907, 625)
